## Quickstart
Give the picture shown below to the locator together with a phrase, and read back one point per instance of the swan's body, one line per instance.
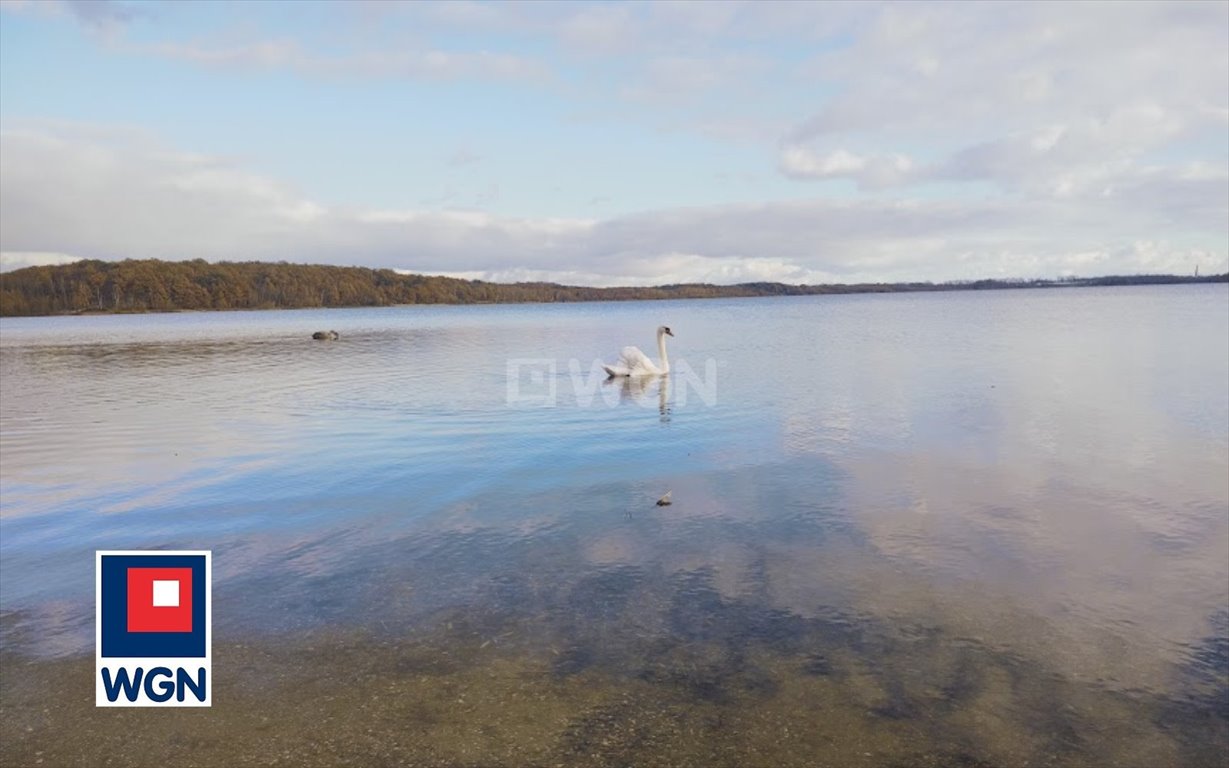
(633, 362)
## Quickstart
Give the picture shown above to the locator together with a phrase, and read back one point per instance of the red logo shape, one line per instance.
(159, 599)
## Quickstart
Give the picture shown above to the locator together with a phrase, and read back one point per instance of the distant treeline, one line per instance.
(157, 286)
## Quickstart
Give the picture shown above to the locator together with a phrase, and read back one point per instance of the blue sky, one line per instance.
(621, 143)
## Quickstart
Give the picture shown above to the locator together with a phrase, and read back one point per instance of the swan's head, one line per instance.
(664, 329)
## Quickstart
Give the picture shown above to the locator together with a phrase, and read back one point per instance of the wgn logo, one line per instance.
(153, 629)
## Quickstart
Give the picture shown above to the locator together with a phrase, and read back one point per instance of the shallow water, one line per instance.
(930, 529)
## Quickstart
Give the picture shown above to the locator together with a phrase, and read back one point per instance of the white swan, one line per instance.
(633, 362)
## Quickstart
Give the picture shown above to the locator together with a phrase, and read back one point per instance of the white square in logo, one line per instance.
(166, 594)
(539, 374)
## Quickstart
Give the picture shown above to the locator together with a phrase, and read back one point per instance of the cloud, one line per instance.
(245, 47)
(1090, 160)
(937, 141)
(407, 64)
(10, 260)
(102, 13)
(1080, 101)
(874, 171)
(913, 66)
(682, 75)
(463, 157)
(107, 194)
(599, 29)
(128, 197)
(105, 16)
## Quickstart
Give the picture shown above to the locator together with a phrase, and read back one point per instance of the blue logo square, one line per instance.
(115, 638)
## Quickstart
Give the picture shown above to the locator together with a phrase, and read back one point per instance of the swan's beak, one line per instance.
(669, 332)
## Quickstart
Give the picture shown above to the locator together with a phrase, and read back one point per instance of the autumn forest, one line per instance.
(154, 286)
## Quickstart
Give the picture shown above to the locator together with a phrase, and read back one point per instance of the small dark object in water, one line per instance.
(817, 664)
(326, 335)
(664, 501)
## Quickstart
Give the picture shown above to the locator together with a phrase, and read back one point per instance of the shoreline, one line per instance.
(145, 285)
(817, 291)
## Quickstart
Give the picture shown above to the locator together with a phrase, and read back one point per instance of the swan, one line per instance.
(633, 362)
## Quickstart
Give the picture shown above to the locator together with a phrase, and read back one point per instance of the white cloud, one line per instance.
(599, 29)
(411, 64)
(92, 13)
(685, 77)
(1004, 64)
(1032, 98)
(874, 171)
(1012, 139)
(107, 195)
(462, 157)
(10, 260)
(111, 195)
(103, 13)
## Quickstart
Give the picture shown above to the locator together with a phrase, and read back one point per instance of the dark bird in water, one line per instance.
(664, 501)
(326, 335)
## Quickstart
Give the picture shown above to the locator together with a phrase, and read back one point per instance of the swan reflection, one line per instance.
(640, 390)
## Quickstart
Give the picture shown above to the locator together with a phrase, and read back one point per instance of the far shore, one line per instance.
(138, 287)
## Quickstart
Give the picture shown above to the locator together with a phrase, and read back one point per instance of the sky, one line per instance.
(598, 143)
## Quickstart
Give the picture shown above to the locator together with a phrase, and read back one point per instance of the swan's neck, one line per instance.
(661, 353)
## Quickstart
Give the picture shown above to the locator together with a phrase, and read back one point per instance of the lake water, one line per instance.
(949, 529)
